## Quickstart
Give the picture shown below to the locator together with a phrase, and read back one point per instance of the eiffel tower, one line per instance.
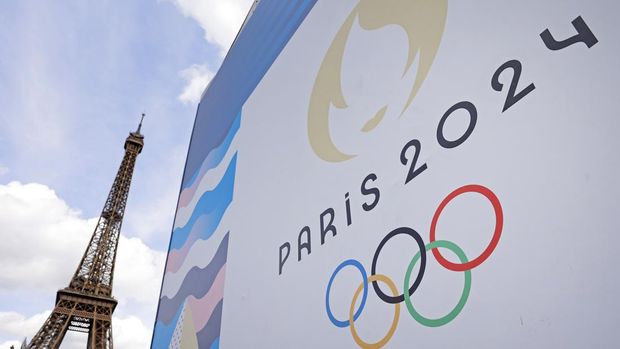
(86, 305)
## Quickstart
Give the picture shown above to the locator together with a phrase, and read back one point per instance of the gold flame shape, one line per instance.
(422, 20)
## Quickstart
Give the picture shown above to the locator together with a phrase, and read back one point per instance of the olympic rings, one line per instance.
(418, 279)
(331, 316)
(383, 341)
(499, 223)
(465, 266)
(464, 295)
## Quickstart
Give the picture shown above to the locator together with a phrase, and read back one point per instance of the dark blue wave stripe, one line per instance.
(264, 51)
(215, 201)
(215, 344)
(211, 332)
(215, 156)
(297, 14)
(241, 71)
(197, 282)
(163, 333)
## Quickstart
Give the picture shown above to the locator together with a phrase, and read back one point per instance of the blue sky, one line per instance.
(74, 78)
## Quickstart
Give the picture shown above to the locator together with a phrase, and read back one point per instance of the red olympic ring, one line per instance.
(499, 223)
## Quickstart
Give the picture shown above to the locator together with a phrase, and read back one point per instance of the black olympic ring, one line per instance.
(418, 279)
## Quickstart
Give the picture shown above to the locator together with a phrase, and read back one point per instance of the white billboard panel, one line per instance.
(403, 173)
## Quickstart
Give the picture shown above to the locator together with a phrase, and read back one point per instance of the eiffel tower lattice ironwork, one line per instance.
(86, 305)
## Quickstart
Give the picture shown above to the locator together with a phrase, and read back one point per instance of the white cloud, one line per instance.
(197, 78)
(139, 272)
(8, 344)
(42, 242)
(37, 229)
(16, 325)
(219, 19)
(129, 332)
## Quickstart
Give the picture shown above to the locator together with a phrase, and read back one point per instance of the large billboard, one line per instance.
(398, 173)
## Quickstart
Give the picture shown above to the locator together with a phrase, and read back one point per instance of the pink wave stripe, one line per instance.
(186, 194)
(176, 257)
(203, 308)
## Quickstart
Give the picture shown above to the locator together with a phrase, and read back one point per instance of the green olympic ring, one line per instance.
(466, 288)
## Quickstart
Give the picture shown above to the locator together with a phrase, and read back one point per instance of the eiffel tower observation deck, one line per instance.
(86, 305)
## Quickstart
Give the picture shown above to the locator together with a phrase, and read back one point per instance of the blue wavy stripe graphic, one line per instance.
(217, 154)
(211, 332)
(214, 203)
(257, 46)
(163, 333)
(247, 61)
(297, 11)
(197, 282)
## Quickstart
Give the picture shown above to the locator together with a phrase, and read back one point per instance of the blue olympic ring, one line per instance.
(359, 266)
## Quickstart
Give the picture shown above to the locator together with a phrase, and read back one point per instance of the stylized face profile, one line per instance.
(423, 22)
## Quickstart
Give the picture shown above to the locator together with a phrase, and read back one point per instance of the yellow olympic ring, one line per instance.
(386, 280)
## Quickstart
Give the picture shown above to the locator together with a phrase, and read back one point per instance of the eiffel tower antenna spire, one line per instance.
(86, 305)
(140, 125)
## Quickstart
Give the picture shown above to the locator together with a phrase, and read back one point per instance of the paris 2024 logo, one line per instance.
(423, 22)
